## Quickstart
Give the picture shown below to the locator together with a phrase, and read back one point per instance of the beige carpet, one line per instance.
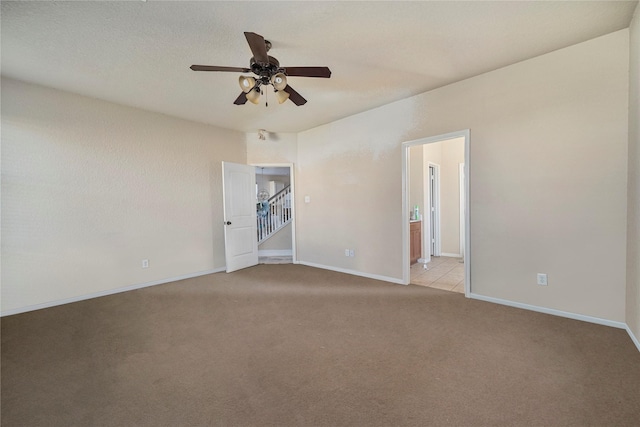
(288, 345)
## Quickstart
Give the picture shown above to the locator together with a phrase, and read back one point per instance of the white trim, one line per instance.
(435, 198)
(426, 211)
(552, 311)
(275, 252)
(633, 337)
(405, 214)
(291, 167)
(108, 292)
(354, 272)
(405, 204)
(451, 255)
(467, 216)
(461, 206)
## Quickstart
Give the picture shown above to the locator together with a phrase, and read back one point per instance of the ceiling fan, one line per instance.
(268, 72)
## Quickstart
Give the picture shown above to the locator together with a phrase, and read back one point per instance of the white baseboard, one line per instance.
(275, 252)
(633, 337)
(552, 311)
(107, 292)
(353, 272)
(451, 255)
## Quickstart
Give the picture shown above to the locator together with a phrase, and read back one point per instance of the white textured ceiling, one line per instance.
(138, 53)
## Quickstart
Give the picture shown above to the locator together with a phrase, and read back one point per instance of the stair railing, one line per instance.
(274, 214)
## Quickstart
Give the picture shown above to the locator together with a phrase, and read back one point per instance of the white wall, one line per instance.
(277, 148)
(350, 169)
(282, 240)
(266, 180)
(633, 221)
(416, 178)
(90, 188)
(548, 179)
(452, 157)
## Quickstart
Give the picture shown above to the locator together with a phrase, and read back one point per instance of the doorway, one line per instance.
(275, 213)
(436, 182)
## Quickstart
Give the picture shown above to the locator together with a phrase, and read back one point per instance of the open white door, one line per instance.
(240, 225)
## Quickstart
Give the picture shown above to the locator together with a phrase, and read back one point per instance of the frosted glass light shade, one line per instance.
(282, 96)
(254, 95)
(279, 81)
(246, 83)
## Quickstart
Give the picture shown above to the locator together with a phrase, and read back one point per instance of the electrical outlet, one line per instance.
(542, 279)
(346, 252)
(145, 263)
(352, 252)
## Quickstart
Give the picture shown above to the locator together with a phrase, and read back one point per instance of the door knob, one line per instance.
(228, 223)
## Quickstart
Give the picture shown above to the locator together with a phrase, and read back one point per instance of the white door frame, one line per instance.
(461, 182)
(435, 236)
(291, 167)
(406, 209)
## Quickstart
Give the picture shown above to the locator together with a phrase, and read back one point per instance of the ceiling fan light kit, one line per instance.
(254, 95)
(279, 81)
(282, 96)
(246, 83)
(269, 72)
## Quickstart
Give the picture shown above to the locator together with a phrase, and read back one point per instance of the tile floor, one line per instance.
(444, 273)
(275, 260)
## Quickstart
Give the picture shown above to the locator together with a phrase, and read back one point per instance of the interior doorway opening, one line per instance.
(435, 202)
(275, 213)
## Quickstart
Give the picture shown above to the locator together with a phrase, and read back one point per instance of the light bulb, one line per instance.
(279, 81)
(246, 83)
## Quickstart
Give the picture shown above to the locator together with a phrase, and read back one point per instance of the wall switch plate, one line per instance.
(307, 199)
(346, 252)
(145, 263)
(352, 252)
(542, 279)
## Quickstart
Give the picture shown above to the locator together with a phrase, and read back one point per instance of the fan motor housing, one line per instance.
(265, 70)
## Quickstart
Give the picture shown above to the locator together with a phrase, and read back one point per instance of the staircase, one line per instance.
(274, 214)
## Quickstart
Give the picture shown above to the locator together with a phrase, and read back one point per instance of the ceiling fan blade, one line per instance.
(241, 100)
(258, 47)
(295, 96)
(324, 72)
(216, 68)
